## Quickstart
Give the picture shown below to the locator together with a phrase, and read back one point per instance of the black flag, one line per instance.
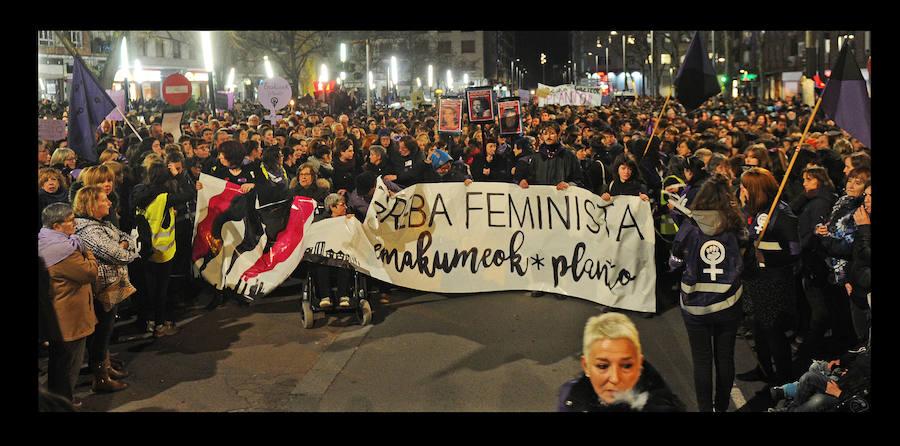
(696, 79)
(846, 99)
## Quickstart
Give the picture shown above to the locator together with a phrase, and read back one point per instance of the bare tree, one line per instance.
(293, 51)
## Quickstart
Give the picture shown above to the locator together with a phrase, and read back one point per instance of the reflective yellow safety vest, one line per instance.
(667, 224)
(163, 238)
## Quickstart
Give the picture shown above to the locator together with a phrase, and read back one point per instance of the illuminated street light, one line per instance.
(269, 73)
(206, 43)
(323, 74)
(371, 81)
(124, 53)
(394, 75)
(430, 76)
(343, 52)
(229, 84)
(449, 80)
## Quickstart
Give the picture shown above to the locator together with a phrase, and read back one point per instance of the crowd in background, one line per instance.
(806, 289)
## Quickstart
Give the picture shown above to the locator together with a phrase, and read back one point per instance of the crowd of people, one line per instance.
(799, 285)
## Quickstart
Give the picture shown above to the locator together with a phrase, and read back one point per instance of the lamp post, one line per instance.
(269, 73)
(123, 65)
(139, 78)
(206, 43)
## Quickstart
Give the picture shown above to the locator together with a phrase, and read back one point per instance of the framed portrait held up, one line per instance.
(450, 113)
(510, 112)
(481, 104)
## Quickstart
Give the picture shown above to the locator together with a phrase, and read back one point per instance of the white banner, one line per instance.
(452, 238)
(567, 95)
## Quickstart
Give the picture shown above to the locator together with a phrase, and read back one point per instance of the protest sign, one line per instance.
(567, 95)
(171, 123)
(51, 129)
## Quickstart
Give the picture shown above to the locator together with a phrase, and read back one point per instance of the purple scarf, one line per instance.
(55, 246)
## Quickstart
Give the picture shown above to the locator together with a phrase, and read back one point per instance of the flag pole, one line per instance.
(125, 118)
(655, 126)
(788, 171)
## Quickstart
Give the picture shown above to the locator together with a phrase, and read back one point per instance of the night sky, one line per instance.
(530, 45)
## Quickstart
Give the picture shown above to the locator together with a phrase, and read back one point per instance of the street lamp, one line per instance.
(449, 80)
(139, 78)
(229, 84)
(206, 44)
(394, 75)
(123, 65)
(269, 73)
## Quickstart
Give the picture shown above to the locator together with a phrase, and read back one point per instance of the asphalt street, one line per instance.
(423, 352)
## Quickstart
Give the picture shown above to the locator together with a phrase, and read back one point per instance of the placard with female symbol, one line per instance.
(274, 94)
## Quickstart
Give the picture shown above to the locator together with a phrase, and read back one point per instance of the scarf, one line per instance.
(55, 246)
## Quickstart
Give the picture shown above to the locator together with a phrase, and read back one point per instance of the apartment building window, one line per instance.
(444, 47)
(468, 46)
(176, 49)
(76, 38)
(45, 38)
(160, 48)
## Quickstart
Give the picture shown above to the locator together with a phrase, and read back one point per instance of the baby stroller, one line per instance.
(310, 296)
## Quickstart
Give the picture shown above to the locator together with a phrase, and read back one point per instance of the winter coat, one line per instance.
(552, 165)
(410, 169)
(71, 281)
(650, 394)
(713, 261)
(609, 154)
(103, 240)
(596, 177)
(499, 168)
(521, 166)
(812, 208)
(632, 187)
(837, 244)
(345, 174)
(860, 274)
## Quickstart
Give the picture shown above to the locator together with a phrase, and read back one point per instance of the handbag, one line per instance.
(113, 285)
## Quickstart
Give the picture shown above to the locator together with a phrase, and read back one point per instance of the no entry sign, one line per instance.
(176, 89)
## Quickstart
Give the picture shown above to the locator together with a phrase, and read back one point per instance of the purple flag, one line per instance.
(845, 98)
(88, 106)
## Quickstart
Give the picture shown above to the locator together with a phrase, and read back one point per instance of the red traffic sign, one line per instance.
(176, 89)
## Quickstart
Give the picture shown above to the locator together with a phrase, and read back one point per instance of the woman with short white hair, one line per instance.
(616, 376)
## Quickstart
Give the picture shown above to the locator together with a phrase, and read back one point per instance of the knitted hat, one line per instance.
(438, 158)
